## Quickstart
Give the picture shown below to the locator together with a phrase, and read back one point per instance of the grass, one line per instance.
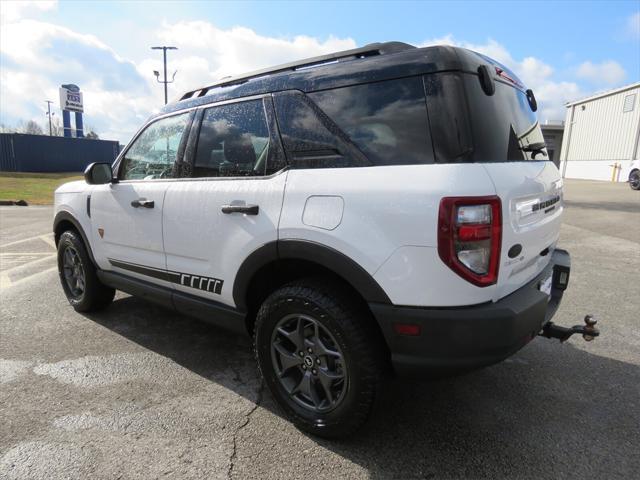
(35, 188)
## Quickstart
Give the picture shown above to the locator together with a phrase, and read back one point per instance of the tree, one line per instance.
(91, 133)
(56, 128)
(32, 128)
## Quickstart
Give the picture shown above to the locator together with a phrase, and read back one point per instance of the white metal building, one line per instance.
(602, 135)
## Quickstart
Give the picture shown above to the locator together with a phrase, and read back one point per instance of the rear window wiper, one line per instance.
(535, 149)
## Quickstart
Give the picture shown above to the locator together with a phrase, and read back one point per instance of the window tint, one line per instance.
(310, 138)
(233, 141)
(153, 154)
(504, 126)
(386, 120)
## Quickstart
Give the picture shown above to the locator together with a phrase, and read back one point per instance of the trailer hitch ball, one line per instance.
(589, 329)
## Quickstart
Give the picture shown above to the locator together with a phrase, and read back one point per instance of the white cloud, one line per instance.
(633, 26)
(10, 11)
(207, 53)
(537, 75)
(606, 74)
(37, 57)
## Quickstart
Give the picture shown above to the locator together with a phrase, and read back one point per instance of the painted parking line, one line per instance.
(6, 282)
(25, 254)
(8, 277)
(46, 237)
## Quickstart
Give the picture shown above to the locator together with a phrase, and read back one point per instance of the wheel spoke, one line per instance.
(288, 360)
(296, 336)
(68, 258)
(80, 283)
(326, 381)
(322, 349)
(304, 386)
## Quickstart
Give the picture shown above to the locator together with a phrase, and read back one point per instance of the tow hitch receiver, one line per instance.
(588, 330)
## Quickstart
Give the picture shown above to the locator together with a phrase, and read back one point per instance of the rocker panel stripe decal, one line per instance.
(206, 284)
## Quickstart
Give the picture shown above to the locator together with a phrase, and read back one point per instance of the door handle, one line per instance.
(143, 202)
(246, 209)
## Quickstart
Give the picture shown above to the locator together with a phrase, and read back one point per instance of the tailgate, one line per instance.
(532, 205)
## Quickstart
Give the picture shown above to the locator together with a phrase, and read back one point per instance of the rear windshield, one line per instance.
(497, 128)
(503, 125)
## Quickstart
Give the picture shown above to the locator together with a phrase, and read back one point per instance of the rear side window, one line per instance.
(233, 141)
(386, 120)
(310, 138)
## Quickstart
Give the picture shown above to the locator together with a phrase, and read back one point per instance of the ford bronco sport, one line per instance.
(387, 209)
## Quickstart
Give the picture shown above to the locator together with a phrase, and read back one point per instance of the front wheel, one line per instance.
(634, 180)
(319, 357)
(85, 292)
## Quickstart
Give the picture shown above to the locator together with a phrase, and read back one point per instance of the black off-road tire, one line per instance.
(634, 180)
(352, 328)
(94, 295)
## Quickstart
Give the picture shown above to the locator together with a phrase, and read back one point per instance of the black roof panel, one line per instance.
(393, 60)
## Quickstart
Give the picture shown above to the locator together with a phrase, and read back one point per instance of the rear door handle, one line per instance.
(143, 202)
(246, 209)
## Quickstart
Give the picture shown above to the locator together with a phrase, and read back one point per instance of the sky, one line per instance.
(563, 50)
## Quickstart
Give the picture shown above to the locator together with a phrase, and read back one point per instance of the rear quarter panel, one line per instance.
(388, 224)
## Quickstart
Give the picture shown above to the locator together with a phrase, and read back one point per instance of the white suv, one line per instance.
(383, 209)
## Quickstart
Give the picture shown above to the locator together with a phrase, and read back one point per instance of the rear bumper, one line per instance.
(462, 338)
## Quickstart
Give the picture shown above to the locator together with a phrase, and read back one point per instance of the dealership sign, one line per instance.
(71, 98)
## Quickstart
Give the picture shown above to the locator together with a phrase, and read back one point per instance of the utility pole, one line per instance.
(157, 74)
(49, 102)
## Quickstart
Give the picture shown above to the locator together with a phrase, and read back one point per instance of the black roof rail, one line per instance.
(367, 51)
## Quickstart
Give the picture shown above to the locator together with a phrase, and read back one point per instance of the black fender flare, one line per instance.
(314, 252)
(66, 216)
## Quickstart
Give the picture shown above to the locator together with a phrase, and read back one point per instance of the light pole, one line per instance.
(49, 102)
(157, 74)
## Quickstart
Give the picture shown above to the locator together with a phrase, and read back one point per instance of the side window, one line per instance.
(386, 120)
(154, 153)
(310, 138)
(233, 141)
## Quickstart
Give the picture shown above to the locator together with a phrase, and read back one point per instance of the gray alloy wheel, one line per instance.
(73, 272)
(634, 180)
(309, 363)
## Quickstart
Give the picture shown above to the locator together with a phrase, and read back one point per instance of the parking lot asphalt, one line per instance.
(139, 392)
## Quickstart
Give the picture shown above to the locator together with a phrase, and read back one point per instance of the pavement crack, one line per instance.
(247, 419)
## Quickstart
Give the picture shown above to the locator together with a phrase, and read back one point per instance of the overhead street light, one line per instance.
(157, 74)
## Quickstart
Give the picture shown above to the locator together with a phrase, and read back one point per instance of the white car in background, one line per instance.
(634, 175)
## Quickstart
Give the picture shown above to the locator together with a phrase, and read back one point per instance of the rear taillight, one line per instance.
(469, 237)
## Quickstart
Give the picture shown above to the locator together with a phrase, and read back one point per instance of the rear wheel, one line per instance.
(78, 277)
(318, 356)
(634, 180)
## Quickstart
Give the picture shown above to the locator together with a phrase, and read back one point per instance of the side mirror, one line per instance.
(98, 174)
